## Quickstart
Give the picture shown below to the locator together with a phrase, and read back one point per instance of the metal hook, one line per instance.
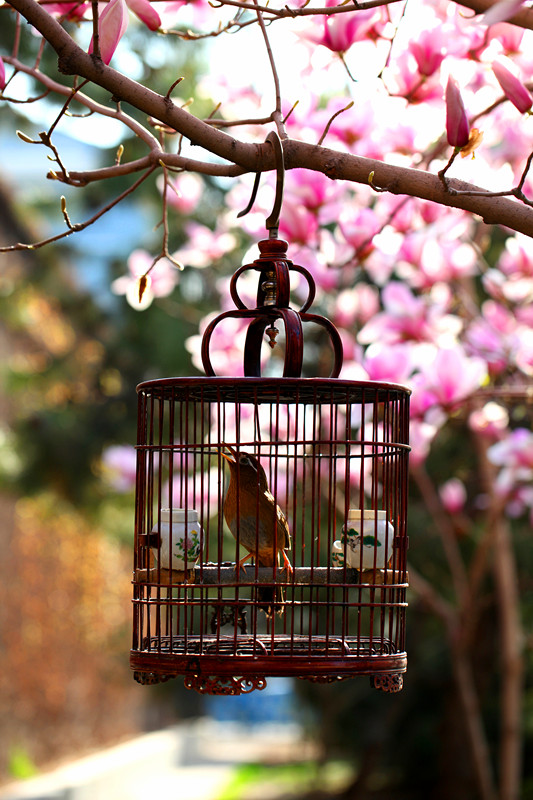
(272, 223)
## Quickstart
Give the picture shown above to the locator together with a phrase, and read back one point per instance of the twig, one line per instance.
(277, 112)
(173, 86)
(446, 531)
(334, 116)
(233, 123)
(59, 88)
(442, 172)
(79, 226)
(96, 32)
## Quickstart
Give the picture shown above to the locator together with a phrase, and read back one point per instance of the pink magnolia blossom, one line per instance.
(226, 346)
(508, 36)
(517, 257)
(501, 11)
(423, 400)
(356, 305)
(457, 127)
(524, 351)
(119, 464)
(490, 421)
(200, 10)
(389, 364)
(161, 279)
(355, 128)
(407, 317)
(113, 21)
(316, 192)
(74, 12)
(493, 336)
(204, 246)
(340, 31)
(452, 375)
(514, 89)
(453, 496)
(513, 288)
(2, 74)
(146, 13)
(359, 229)
(184, 192)
(438, 255)
(514, 456)
(404, 79)
(112, 24)
(429, 49)
(421, 436)
(315, 260)
(298, 224)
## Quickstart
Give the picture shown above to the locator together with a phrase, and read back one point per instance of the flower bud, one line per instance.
(2, 75)
(513, 87)
(457, 128)
(112, 24)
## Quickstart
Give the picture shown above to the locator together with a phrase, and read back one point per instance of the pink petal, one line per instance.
(501, 11)
(457, 127)
(453, 495)
(514, 89)
(112, 25)
(2, 75)
(145, 12)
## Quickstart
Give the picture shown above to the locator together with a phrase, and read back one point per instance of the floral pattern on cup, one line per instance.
(181, 538)
(370, 530)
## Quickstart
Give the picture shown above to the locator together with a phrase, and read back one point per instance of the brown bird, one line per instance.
(257, 522)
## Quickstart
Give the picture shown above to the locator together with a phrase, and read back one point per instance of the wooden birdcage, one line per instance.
(334, 454)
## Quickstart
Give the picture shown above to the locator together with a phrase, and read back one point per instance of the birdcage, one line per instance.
(270, 524)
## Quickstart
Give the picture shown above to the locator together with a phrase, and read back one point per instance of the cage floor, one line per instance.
(269, 646)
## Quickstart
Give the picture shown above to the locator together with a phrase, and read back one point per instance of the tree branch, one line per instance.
(251, 157)
(523, 18)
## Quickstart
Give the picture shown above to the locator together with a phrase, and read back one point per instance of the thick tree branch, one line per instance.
(403, 180)
(174, 161)
(252, 157)
(523, 18)
(72, 60)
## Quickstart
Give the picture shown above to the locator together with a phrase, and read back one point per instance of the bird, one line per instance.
(257, 522)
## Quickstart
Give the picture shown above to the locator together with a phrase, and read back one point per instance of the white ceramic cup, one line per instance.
(179, 531)
(337, 553)
(370, 528)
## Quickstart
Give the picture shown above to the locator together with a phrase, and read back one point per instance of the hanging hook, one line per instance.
(272, 223)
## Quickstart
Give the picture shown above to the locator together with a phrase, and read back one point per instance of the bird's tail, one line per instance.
(271, 600)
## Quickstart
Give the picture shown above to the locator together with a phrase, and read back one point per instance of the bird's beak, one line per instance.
(232, 459)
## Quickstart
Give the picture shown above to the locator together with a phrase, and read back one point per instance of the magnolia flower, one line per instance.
(112, 24)
(74, 12)
(457, 128)
(453, 495)
(143, 9)
(501, 11)
(119, 464)
(388, 363)
(429, 50)
(490, 421)
(452, 375)
(160, 282)
(113, 21)
(513, 87)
